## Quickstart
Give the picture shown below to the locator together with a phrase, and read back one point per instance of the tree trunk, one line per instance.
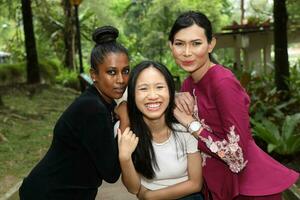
(1, 102)
(280, 45)
(33, 72)
(69, 35)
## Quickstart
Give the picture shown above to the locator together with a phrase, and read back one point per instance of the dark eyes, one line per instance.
(178, 43)
(181, 43)
(126, 71)
(158, 87)
(114, 72)
(196, 43)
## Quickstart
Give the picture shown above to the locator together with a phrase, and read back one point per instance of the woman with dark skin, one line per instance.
(234, 167)
(84, 151)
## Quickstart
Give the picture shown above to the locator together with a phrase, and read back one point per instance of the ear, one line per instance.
(212, 45)
(171, 45)
(93, 74)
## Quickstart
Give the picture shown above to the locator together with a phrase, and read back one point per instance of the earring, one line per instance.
(94, 80)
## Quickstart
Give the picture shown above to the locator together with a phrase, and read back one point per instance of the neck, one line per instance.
(201, 71)
(108, 100)
(159, 129)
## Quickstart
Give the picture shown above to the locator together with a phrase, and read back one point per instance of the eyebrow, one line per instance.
(113, 67)
(146, 84)
(195, 40)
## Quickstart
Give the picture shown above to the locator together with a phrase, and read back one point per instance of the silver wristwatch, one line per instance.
(194, 126)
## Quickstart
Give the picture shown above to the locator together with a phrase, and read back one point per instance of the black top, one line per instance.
(82, 153)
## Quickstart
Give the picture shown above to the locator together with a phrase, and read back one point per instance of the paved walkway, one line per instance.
(114, 191)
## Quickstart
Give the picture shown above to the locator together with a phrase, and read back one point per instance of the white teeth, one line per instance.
(153, 105)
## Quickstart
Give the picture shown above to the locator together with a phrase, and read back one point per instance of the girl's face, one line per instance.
(112, 77)
(191, 49)
(152, 94)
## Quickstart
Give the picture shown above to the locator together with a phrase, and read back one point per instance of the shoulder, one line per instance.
(222, 77)
(181, 131)
(178, 127)
(219, 72)
(88, 102)
(187, 84)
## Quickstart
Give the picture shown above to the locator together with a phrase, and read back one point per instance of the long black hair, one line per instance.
(190, 18)
(105, 39)
(144, 157)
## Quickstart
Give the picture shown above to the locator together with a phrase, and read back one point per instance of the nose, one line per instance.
(120, 78)
(187, 51)
(152, 94)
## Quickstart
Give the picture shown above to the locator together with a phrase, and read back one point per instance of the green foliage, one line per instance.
(147, 24)
(49, 69)
(274, 122)
(16, 73)
(12, 73)
(68, 78)
(284, 140)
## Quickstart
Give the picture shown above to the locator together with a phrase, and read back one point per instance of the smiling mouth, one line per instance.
(153, 106)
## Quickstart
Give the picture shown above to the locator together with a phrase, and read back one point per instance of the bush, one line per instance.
(12, 73)
(68, 78)
(49, 70)
(283, 140)
(16, 72)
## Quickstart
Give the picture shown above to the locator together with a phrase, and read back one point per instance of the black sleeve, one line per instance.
(101, 145)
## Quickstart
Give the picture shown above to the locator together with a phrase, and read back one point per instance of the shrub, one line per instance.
(16, 72)
(68, 78)
(284, 140)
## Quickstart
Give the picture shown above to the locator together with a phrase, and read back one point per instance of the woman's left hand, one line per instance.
(182, 117)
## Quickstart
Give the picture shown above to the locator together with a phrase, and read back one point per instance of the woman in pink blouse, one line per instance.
(234, 167)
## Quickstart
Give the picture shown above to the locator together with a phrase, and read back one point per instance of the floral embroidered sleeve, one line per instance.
(231, 103)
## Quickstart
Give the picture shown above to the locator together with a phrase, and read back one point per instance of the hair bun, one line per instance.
(105, 34)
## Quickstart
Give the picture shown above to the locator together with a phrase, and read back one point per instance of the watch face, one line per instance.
(194, 126)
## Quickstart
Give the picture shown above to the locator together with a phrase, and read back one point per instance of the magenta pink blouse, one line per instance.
(232, 163)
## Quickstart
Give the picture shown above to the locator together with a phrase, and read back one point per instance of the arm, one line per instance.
(122, 113)
(98, 139)
(228, 145)
(127, 142)
(190, 186)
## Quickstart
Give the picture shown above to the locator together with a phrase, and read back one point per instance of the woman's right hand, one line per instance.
(127, 142)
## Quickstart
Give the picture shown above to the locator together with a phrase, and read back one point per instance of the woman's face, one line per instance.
(112, 77)
(191, 49)
(152, 94)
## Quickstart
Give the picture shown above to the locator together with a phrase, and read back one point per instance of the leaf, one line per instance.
(271, 147)
(289, 125)
(294, 147)
(264, 133)
(272, 127)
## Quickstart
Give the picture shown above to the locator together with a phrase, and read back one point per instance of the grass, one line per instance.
(26, 123)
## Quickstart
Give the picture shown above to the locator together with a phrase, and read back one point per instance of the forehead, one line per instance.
(190, 33)
(117, 60)
(150, 75)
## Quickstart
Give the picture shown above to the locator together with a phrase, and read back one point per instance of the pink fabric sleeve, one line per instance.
(232, 105)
